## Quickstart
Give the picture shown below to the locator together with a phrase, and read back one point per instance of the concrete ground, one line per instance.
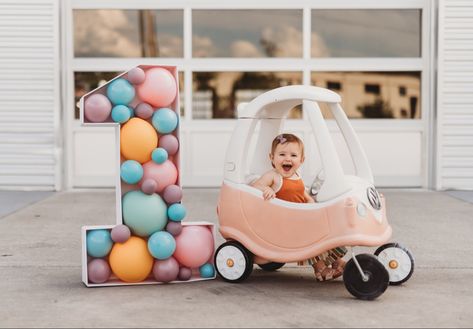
(40, 274)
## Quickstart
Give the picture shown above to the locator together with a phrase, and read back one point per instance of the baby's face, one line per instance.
(287, 158)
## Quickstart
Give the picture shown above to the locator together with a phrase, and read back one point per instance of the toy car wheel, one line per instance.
(397, 260)
(271, 267)
(376, 277)
(233, 262)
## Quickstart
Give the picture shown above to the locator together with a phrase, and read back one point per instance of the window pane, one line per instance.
(247, 33)
(88, 81)
(375, 94)
(128, 33)
(366, 33)
(217, 94)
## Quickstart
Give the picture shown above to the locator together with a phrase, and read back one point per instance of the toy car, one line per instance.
(349, 210)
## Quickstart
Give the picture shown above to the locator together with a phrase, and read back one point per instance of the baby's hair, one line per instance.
(287, 138)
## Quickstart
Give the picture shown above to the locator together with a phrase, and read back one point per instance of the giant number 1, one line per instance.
(149, 243)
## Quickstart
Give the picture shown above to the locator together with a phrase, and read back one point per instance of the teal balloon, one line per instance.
(131, 171)
(159, 155)
(161, 245)
(120, 92)
(207, 271)
(164, 120)
(99, 243)
(121, 113)
(176, 212)
(144, 214)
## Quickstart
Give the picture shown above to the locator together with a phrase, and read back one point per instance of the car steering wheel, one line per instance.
(317, 183)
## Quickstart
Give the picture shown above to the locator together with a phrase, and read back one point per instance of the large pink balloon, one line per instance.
(164, 174)
(194, 246)
(97, 108)
(159, 88)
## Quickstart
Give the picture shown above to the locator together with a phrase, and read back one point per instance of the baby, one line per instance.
(284, 182)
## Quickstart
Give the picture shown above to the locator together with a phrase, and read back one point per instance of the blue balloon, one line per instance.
(159, 155)
(120, 92)
(99, 243)
(176, 212)
(164, 120)
(131, 171)
(161, 245)
(121, 113)
(207, 271)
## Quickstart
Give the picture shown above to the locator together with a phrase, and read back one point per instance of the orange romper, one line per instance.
(292, 190)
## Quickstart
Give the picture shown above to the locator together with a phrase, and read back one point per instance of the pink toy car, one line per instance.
(348, 212)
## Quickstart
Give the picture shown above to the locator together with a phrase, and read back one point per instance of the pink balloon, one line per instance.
(185, 274)
(149, 186)
(194, 246)
(144, 111)
(98, 271)
(159, 88)
(169, 143)
(120, 233)
(136, 76)
(166, 270)
(172, 194)
(97, 108)
(164, 174)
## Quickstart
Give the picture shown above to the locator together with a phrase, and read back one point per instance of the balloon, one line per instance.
(166, 270)
(120, 233)
(194, 246)
(149, 186)
(172, 194)
(121, 113)
(159, 155)
(99, 243)
(185, 274)
(120, 92)
(161, 245)
(207, 271)
(144, 111)
(175, 228)
(165, 120)
(176, 212)
(144, 214)
(164, 174)
(137, 140)
(169, 143)
(136, 76)
(131, 171)
(131, 261)
(97, 108)
(159, 88)
(98, 271)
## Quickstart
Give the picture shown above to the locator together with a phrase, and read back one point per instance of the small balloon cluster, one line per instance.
(151, 243)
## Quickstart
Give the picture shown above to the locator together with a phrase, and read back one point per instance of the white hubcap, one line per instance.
(231, 263)
(397, 262)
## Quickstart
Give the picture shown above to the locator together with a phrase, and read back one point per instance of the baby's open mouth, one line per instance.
(286, 167)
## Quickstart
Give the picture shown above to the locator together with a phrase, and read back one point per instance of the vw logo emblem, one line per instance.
(373, 198)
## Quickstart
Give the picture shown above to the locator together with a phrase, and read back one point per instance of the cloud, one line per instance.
(286, 38)
(243, 48)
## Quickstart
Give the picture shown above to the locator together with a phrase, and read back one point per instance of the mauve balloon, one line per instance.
(169, 143)
(166, 270)
(120, 233)
(149, 186)
(175, 228)
(185, 274)
(172, 194)
(144, 111)
(98, 271)
(136, 76)
(97, 108)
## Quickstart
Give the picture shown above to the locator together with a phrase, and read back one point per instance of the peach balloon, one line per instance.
(131, 261)
(159, 88)
(164, 174)
(194, 246)
(138, 139)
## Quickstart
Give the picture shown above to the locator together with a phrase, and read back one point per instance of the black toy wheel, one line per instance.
(397, 260)
(234, 263)
(271, 267)
(377, 277)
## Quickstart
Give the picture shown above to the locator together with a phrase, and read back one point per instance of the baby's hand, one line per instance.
(268, 193)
